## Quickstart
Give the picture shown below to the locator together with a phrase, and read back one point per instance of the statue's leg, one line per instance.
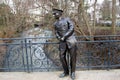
(73, 54)
(63, 50)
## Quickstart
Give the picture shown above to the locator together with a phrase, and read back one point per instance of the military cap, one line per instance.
(57, 10)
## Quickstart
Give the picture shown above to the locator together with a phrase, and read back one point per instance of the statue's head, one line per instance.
(57, 13)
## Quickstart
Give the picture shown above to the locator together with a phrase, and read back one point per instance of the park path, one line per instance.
(80, 75)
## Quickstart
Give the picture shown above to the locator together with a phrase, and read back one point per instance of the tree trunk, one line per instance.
(84, 15)
(113, 17)
(94, 17)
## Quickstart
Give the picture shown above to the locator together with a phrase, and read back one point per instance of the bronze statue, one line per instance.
(64, 30)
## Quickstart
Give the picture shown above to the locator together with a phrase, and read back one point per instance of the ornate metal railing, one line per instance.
(42, 54)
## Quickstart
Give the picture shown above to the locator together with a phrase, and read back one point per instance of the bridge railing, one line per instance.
(42, 54)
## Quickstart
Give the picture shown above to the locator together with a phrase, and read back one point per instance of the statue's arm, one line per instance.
(70, 30)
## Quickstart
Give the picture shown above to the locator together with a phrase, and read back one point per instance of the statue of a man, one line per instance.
(64, 30)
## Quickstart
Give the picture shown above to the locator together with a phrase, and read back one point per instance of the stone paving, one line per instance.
(80, 75)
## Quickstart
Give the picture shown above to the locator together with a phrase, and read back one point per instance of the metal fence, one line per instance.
(42, 54)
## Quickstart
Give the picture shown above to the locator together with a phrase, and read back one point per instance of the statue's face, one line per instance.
(57, 15)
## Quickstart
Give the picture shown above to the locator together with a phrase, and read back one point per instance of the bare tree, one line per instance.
(76, 9)
(94, 17)
(113, 17)
(85, 17)
(106, 10)
(119, 2)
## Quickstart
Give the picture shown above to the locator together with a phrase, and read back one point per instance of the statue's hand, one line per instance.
(63, 38)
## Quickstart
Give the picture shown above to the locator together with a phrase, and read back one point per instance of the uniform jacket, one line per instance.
(64, 28)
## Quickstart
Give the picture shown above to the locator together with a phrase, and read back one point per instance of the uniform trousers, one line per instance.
(64, 50)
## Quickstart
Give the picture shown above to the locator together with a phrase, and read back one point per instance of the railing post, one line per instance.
(109, 53)
(88, 64)
(7, 57)
(28, 69)
(31, 60)
(47, 57)
(22, 44)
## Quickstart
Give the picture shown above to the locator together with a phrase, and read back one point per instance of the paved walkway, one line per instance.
(80, 75)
